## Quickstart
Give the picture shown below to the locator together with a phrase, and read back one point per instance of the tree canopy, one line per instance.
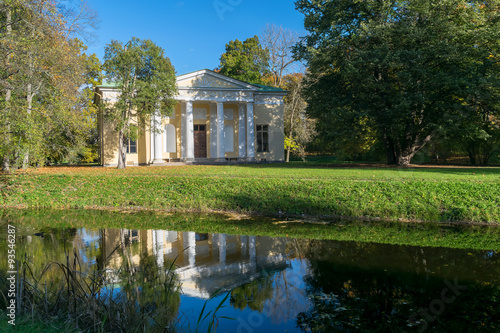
(147, 84)
(42, 70)
(407, 69)
(246, 61)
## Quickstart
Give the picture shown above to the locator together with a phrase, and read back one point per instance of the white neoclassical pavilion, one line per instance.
(217, 119)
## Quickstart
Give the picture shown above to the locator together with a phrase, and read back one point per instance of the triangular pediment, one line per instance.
(206, 79)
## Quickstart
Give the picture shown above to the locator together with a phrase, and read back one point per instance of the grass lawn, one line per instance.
(423, 193)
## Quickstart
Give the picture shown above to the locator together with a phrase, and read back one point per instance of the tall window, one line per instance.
(170, 141)
(229, 138)
(131, 146)
(262, 138)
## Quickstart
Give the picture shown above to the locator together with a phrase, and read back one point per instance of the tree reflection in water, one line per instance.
(123, 279)
(98, 282)
(371, 288)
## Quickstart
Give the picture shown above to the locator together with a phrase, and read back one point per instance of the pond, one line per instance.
(155, 279)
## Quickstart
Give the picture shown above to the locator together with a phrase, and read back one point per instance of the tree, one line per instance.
(409, 68)
(147, 84)
(93, 78)
(76, 145)
(246, 61)
(81, 20)
(278, 41)
(40, 76)
(479, 138)
(353, 141)
(299, 129)
(7, 71)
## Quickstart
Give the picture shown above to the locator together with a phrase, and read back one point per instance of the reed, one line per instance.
(146, 300)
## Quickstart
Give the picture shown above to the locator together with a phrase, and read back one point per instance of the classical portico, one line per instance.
(217, 119)
(227, 102)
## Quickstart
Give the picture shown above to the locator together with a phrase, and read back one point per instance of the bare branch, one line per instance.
(279, 41)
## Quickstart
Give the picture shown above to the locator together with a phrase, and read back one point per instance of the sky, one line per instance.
(193, 33)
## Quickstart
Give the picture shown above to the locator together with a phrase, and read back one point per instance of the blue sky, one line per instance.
(193, 33)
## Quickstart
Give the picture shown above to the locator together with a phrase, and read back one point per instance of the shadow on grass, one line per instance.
(274, 205)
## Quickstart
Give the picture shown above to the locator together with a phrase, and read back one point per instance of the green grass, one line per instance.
(26, 324)
(428, 194)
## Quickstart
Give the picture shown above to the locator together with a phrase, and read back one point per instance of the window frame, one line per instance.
(262, 138)
(130, 144)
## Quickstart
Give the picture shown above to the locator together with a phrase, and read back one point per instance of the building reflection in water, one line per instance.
(299, 284)
(204, 262)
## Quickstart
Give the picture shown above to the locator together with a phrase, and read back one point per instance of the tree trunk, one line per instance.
(290, 135)
(122, 152)
(6, 157)
(29, 95)
(122, 147)
(472, 157)
(405, 154)
(390, 150)
(8, 94)
(6, 163)
(404, 160)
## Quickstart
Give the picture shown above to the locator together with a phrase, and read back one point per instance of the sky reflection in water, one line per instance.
(294, 285)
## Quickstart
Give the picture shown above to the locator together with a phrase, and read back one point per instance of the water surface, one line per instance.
(280, 284)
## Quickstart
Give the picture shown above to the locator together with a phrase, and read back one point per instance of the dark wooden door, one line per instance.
(200, 141)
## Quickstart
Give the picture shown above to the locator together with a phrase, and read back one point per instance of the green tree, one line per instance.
(479, 138)
(93, 77)
(147, 84)
(353, 142)
(408, 68)
(41, 74)
(299, 129)
(246, 61)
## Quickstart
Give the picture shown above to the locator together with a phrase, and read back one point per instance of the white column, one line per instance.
(252, 253)
(221, 152)
(183, 130)
(213, 130)
(222, 248)
(244, 246)
(189, 132)
(252, 249)
(154, 242)
(158, 143)
(160, 247)
(242, 135)
(157, 147)
(152, 141)
(192, 248)
(250, 133)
